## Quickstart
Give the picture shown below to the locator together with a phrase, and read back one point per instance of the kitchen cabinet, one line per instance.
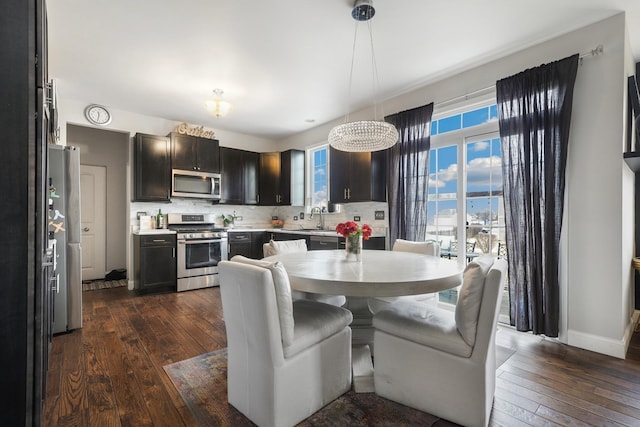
(239, 243)
(154, 263)
(282, 178)
(239, 176)
(152, 168)
(357, 177)
(323, 242)
(194, 153)
(246, 243)
(338, 242)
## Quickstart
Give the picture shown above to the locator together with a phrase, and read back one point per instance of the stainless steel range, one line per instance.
(201, 246)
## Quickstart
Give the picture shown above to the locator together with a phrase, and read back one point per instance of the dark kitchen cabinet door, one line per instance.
(269, 182)
(239, 176)
(152, 168)
(360, 177)
(258, 239)
(154, 262)
(239, 243)
(339, 171)
(282, 178)
(231, 176)
(357, 177)
(251, 168)
(194, 153)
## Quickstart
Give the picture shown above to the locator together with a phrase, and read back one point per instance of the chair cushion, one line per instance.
(470, 296)
(315, 321)
(283, 294)
(417, 322)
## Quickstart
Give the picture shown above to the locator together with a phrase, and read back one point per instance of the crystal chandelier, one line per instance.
(364, 135)
(218, 107)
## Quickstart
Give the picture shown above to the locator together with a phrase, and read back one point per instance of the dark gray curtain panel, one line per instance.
(408, 176)
(534, 110)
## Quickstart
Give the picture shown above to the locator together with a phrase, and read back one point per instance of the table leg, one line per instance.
(362, 342)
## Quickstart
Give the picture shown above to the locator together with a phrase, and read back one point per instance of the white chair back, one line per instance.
(283, 247)
(425, 248)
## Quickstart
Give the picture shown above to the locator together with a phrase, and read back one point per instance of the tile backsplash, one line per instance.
(260, 216)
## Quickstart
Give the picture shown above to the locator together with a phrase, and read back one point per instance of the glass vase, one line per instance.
(353, 248)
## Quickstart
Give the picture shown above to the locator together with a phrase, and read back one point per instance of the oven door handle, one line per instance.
(196, 242)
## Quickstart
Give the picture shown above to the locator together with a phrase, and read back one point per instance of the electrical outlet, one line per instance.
(378, 214)
(356, 217)
(295, 218)
(301, 215)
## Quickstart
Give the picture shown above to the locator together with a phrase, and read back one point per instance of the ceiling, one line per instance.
(284, 64)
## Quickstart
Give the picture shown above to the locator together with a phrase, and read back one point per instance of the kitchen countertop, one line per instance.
(301, 231)
(154, 231)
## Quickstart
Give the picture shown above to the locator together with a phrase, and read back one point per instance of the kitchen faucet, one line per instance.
(321, 212)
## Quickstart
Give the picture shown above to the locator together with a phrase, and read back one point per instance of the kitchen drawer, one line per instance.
(239, 236)
(158, 240)
(323, 242)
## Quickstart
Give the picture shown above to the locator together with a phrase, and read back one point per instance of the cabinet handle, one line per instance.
(85, 229)
(348, 193)
(344, 193)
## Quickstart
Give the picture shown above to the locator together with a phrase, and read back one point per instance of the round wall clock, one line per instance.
(97, 114)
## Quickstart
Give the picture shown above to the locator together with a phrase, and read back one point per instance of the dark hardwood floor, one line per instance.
(110, 373)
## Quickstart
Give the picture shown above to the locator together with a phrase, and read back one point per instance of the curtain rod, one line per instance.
(598, 50)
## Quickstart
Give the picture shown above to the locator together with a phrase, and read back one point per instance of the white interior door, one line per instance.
(93, 208)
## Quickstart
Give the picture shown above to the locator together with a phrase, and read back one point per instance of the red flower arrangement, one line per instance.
(350, 229)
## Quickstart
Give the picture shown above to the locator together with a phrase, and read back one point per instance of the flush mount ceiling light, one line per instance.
(364, 135)
(218, 107)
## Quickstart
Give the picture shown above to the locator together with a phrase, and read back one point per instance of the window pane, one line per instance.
(476, 117)
(493, 112)
(449, 123)
(443, 186)
(318, 174)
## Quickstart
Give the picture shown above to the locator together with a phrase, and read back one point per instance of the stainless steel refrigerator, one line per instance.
(64, 227)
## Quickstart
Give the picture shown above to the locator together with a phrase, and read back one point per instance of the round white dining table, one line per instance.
(377, 274)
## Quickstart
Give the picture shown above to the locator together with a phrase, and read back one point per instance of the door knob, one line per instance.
(85, 229)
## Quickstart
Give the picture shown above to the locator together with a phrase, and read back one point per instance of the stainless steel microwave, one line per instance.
(201, 185)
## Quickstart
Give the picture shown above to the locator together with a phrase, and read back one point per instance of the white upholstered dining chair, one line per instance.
(286, 359)
(439, 361)
(401, 245)
(287, 246)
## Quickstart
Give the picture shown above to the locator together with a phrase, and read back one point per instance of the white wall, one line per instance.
(597, 242)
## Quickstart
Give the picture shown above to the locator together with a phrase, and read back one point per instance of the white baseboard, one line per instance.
(608, 346)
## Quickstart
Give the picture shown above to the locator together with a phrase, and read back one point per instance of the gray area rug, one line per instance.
(92, 285)
(202, 384)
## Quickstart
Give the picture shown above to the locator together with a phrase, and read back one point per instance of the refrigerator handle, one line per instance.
(56, 286)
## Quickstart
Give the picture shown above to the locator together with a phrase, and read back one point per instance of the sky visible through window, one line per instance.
(483, 174)
(319, 176)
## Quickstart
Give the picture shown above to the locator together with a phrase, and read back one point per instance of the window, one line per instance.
(465, 202)
(318, 176)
